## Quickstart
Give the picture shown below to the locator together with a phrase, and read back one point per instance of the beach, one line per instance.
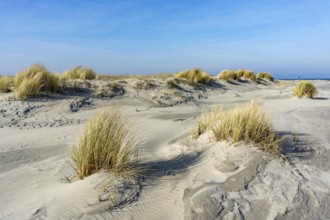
(184, 178)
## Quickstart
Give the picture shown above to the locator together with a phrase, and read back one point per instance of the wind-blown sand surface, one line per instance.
(186, 178)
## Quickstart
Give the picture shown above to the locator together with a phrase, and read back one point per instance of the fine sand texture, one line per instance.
(182, 177)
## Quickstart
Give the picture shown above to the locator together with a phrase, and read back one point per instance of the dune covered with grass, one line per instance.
(187, 145)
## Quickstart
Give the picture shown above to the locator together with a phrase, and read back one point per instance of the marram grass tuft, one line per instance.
(79, 72)
(246, 74)
(264, 75)
(194, 76)
(106, 144)
(228, 75)
(5, 83)
(305, 88)
(35, 80)
(247, 123)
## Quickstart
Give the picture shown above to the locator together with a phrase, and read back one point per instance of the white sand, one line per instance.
(187, 179)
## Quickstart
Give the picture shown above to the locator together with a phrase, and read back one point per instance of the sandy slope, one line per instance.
(187, 179)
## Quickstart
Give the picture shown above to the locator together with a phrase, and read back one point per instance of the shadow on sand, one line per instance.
(296, 145)
(65, 94)
(156, 169)
(321, 98)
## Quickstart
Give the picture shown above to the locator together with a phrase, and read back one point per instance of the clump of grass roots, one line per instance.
(247, 123)
(305, 88)
(106, 144)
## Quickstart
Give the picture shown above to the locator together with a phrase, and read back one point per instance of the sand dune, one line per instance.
(186, 178)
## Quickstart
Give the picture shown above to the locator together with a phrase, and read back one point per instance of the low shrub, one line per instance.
(35, 80)
(5, 84)
(107, 144)
(194, 76)
(79, 72)
(228, 75)
(264, 75)
(304, 88)
(247, 123)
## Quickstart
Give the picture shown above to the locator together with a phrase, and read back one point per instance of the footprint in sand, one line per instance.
(226, 166)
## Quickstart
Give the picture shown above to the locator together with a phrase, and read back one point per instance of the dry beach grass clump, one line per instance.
(232, 75)
(228, 75)
(106, 144)
(79, 72)
(5, 83)
(246, 74)
(264, 75)
(194, 76)
(35, 80)
(247, 123)
(304, 88)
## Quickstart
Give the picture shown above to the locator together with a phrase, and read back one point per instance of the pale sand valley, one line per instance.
(182, 177)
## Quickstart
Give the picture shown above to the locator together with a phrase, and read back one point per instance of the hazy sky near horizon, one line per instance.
(285, 37)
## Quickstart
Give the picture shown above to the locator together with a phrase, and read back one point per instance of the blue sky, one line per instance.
(287, 38)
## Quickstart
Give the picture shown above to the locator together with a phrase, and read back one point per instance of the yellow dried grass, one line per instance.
(228, 75)
(35, 80)
(305, 88)
(247, 123)
(194, 76)
(5, 83)
(106, 144)
(79, 72)
(264, 75)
